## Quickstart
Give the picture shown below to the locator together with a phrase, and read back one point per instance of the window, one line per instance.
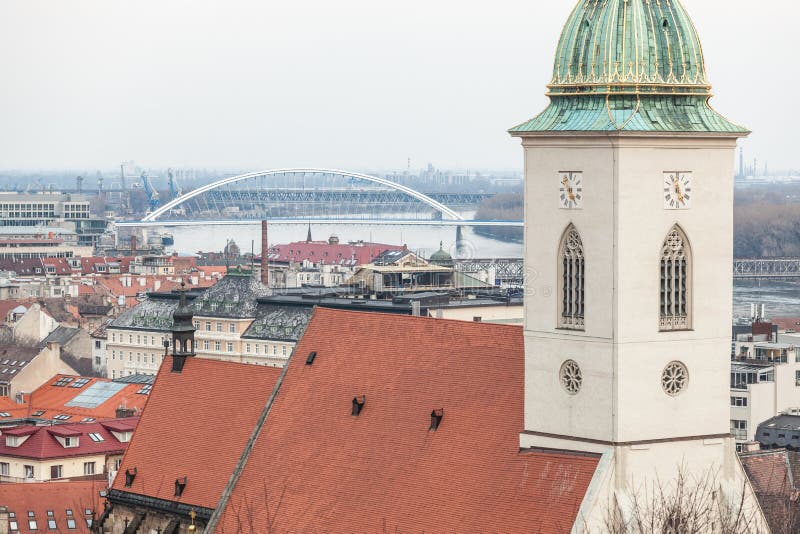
(217, 346)
(283, 350)
(12, 521)
(208, 326)
(88, 468)
(97, 438)
(70, 442)
(232, 328)
(572, 267)
(32, 522)
(197, 325)
(205, 345)
(97, 343)
(80, 382)
(738, 401)
(676, 272)
(70, 520)
(5, 468)
(247, 348)
(219, 327)
(257, 347)
(61, 382)
(797, 378)
(29, 473)
(739, 429)
(55, 471)
(230, 347)
(51, 520)
(113, 337)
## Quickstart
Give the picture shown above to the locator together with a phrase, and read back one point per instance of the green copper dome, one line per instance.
(629, 46)
(629, 65)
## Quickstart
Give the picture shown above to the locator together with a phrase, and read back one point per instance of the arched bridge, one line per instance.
(294, 194)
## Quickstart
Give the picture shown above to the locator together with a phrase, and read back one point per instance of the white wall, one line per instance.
(623, 224)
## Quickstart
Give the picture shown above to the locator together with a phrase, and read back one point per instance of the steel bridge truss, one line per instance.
(767, 268)
(281, 192)
(509, 271)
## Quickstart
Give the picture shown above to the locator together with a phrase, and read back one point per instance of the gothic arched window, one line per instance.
(676, 281)
(572, 266)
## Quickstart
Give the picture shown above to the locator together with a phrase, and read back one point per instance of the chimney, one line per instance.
(123, 412)
(264, 255)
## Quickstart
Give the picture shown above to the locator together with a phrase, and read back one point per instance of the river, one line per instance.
(781, 298)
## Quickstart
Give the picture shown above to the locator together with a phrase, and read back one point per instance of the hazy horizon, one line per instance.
(354, 84)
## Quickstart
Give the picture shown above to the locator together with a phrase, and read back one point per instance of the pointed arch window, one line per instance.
(676, 281)
(572, 265)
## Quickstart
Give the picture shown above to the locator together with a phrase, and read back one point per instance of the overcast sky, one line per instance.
(355, 84)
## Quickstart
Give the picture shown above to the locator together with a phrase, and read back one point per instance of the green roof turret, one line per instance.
(629, 65)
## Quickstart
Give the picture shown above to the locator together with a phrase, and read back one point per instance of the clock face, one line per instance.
(677, 190)
(570, 193)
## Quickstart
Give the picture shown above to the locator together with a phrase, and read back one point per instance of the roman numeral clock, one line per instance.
(677, 190)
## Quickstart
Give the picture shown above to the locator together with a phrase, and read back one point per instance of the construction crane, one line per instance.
(174, 190)
(152, 194)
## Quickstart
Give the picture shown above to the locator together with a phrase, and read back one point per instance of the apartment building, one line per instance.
(30, 453)
(230, 321)
(765, 381)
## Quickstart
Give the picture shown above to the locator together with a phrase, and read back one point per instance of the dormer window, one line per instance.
(180, 486)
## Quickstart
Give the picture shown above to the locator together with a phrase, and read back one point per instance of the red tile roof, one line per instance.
(56, 497)
(5, 308)
(53, 400)
(43, 445)
(322, 251)
(319, 469)
(196, 424)
(61, 266)
(786, 323)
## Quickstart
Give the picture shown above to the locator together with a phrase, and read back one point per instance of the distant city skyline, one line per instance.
(351, 84)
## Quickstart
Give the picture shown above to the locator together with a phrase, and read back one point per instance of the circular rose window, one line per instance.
(571, 377)
(674, 378)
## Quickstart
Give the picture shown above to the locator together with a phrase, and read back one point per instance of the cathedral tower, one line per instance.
(628, 249)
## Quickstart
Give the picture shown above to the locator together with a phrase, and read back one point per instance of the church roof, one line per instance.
(319, 468)
(629, 65)
(196, 425)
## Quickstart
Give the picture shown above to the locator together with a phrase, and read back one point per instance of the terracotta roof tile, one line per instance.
(5, 308)
(331, 254)
(55, 497)
(196, 424)
(42, 443)
(320, 469)
(50, 400)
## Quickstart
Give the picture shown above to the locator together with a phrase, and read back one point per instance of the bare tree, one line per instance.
(684, 507)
